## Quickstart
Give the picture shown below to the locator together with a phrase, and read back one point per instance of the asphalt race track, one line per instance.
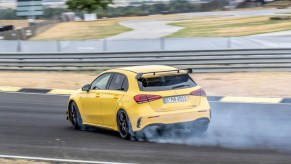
(35, 125)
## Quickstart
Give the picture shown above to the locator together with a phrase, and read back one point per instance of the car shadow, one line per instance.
(102, 131)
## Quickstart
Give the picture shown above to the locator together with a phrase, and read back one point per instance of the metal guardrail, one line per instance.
(230, 60)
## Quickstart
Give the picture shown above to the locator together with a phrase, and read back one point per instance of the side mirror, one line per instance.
(190, 70)
(86, 87)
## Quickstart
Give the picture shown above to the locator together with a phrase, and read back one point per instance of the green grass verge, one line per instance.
(230, 27)
(82, 30)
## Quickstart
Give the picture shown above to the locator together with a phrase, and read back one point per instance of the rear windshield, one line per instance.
(166, 83)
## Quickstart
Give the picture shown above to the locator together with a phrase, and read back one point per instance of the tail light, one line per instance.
(142, 98)
(199, 92)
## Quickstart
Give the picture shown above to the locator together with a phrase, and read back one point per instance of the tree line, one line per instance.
(141, 9)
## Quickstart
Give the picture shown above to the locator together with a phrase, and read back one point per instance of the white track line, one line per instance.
(58, 160)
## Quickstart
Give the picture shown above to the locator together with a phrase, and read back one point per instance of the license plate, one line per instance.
(175, 99)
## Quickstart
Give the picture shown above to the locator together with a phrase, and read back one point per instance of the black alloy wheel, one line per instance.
(75, 117)
(124, 125)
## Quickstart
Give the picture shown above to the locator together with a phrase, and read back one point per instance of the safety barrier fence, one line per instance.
(226, 60)
(144, 45)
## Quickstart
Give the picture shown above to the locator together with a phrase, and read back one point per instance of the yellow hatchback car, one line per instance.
(139, 100)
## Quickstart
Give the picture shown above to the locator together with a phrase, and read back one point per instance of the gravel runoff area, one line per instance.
(244, 84)
(20, 161)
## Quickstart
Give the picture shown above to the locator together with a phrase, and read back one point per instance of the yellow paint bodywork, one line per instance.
(100, 107)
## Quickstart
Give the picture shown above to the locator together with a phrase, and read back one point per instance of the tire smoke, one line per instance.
(238, 126)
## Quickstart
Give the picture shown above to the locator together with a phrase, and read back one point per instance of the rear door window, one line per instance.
(125, 85)
(117, 82)
(166, 83)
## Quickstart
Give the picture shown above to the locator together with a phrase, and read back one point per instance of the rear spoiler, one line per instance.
(139, 75)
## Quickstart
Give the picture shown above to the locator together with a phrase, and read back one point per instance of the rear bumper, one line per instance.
(169, 118)
(201, 122)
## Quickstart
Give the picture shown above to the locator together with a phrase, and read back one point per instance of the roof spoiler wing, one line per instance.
(139, 75)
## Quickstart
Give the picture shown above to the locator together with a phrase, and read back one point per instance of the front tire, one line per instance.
(75, 117)
(124, 125)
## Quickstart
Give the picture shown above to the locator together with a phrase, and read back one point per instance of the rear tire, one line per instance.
(124, 126)
(75, 117)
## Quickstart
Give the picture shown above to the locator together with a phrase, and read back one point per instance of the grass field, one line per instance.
(279, 4)
(82, 30)
(227, 26)
(208, 26)
(101, 28)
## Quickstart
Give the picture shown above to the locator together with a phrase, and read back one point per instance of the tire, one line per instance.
(75, 117)
(124, 126)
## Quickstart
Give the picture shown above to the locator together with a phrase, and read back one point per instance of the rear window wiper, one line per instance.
(180, 86)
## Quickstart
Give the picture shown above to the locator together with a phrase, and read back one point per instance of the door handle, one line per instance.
(115, 97)
(97, 95)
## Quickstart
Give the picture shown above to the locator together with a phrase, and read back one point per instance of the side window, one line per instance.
(117, 82)
(101, 82)
(125, 85)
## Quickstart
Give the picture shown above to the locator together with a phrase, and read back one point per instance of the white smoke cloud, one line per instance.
(240, 128)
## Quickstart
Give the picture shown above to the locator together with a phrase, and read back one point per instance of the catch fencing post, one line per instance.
(104, 45)
(59, 49)
(162, 41)
(18, 45)
(228, 42)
